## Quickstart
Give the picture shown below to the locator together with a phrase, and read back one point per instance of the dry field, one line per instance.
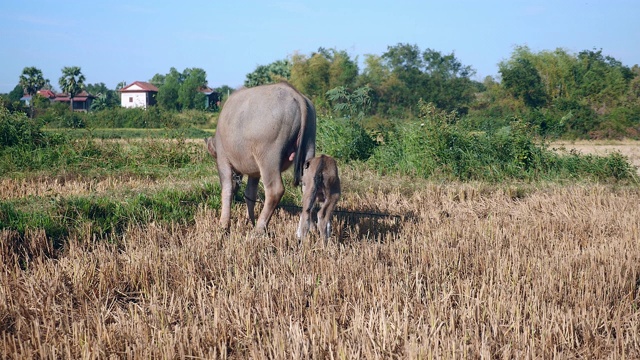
(628, 148)
(463, 271)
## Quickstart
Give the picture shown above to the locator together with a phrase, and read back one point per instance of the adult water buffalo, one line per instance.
(261, 132)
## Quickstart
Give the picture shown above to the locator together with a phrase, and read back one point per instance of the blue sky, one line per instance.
(115, 41)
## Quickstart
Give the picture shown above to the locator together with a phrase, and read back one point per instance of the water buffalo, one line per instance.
(320, 181)
(261, 132)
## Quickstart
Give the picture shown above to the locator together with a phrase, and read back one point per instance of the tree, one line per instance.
(428, 75)
(268, 74)
(157, 80)
(48, 86)
(188, 95)
(225, 91)
(105, 97)
(168, 92)
(522, 80)
(310, 75)
(31, 80)
(352, 105)
(121, 85)
(100, 103)
(12, 100)
(16, 94)
(71, 82)
(343, 71)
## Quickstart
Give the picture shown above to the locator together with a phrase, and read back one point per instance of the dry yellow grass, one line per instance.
(470, 271)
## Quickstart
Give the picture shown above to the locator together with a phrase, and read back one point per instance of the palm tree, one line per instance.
(31, 81)
(101, 102)
(71, 81)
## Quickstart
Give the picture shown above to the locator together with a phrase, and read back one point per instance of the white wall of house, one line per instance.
(133, 99)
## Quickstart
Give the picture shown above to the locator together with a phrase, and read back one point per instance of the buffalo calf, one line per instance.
(320, 181)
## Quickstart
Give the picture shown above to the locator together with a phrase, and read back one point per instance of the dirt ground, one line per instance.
(629, 148)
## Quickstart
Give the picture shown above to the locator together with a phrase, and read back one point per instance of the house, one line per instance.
(138, 94)
(81, 102)
(47, 94)
(212, 101)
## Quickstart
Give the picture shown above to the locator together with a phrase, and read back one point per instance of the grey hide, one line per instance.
(261, 132)
(321, 183)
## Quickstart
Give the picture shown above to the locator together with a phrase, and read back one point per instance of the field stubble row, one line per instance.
(466, 270)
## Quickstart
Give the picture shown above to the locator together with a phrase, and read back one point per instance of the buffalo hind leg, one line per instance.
(273, 191)
(227, 185)
(250, 197)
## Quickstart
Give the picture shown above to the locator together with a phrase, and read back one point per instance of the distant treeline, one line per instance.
(558, 93)
(585, 95)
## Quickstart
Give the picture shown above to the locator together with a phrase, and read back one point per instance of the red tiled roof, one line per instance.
(47, 93)
(81, 96)
(145, 86)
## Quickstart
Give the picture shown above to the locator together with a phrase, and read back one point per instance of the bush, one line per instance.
(17, 129)
(344, 139)
(439, 146)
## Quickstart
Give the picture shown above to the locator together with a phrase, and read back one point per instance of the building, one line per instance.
(212, 100)
(138, 94)
(81, 102)
(47, 94)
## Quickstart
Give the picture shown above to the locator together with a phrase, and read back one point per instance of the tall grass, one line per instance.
(153, 117)
(438, 147)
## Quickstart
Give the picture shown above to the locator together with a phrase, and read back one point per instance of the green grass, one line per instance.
(129, 133)
(181, 173)
(105, 215)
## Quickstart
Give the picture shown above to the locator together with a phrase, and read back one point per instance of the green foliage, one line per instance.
(343, 70)
(104, 216)
(557, 93)
(352, 105)
(22, 220)
(344, 139)
(441, 147)
(268, 74)
(522, 80)
(167, 96)
(15, 94)
(132, 133)
(55, 115)
(58, 153)
(154, 117)
(194, 79)
(17, 129)
(323, 70)
(429, 75)
(105, 97)
(180, 90)
(31, 80)
(72, 81)
(587, 95)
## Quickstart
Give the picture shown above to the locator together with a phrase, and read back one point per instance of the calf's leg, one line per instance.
(305, 215)
(324, 215)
